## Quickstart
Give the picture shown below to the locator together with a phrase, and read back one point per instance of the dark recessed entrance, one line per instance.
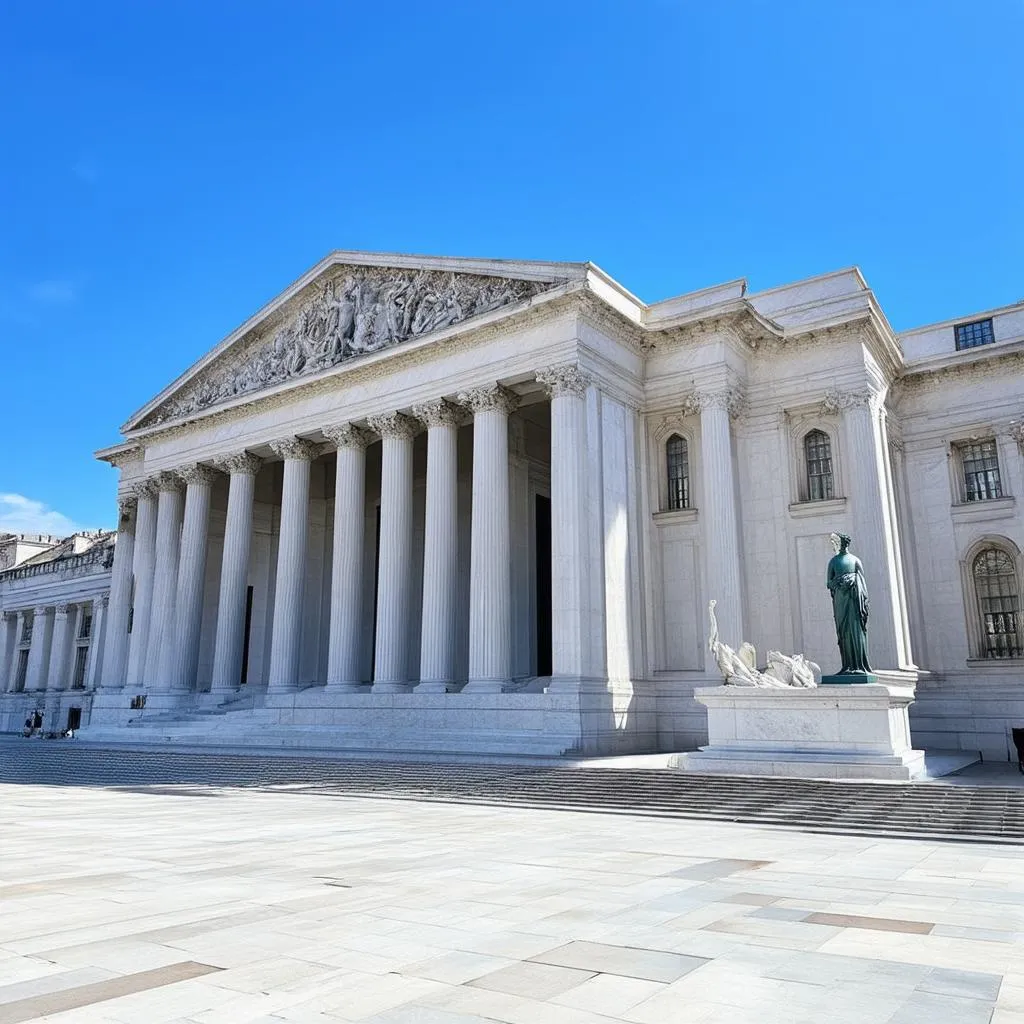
(542, 511)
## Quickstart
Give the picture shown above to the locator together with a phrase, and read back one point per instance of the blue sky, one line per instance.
(170, 167)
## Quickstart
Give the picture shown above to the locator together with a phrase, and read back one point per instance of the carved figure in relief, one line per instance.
(361, 310)
(739, 669)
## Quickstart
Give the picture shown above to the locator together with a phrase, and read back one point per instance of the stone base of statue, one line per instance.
(825, 732)
(849, 679)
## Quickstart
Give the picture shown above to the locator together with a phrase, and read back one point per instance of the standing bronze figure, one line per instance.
(845, 580)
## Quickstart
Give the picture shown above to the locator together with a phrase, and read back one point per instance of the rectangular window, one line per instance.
(78, 678)
(26, 629)
(22, 671)
(978, 332)
(981, 471)
(86, 628)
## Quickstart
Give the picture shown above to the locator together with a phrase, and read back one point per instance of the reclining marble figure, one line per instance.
(740, 669)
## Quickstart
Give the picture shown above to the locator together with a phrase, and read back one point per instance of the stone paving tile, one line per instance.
(970, 984)
(532, 980)
(719, 868)
(929, 1008)
(645, 964)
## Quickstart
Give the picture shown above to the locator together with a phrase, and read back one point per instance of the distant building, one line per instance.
(459, 505)
(52, 624)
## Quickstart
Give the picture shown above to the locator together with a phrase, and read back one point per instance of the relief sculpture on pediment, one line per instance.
(357, 311)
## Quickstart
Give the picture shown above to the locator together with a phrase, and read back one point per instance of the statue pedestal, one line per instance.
(828, 732)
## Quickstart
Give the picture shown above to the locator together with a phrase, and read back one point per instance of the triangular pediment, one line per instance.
(348, 307)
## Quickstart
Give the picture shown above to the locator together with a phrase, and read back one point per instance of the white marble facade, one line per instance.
(427, 504)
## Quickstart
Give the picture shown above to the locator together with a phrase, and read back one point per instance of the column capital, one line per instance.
(239, 462)
(731, 398)
(837, 399)
(394, 424)
(488, 397)
(565, 379)
(438, 413)
(197, 473)
(42, 609)
(1015, 431)
(295, 448)
(347, 435)
(101, 600)
(62, 610)
(167, 481)
(126, 506)
(143, 489)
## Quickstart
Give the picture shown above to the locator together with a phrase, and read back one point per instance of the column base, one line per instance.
(390, 686)
(487, 686)
(432, 686)
(348, 686)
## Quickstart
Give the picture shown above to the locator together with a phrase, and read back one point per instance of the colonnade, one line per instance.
(166, 539)
(51, 635)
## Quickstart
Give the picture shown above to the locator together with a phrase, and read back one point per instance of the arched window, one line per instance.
(818, 459)
(995, 583)
(677, 457)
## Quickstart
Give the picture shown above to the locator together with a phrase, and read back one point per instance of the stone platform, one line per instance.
(829, 732)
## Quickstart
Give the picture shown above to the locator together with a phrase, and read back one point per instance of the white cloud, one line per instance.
(19, 514)
(53, 292)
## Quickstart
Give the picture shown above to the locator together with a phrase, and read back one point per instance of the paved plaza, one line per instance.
(211, 904)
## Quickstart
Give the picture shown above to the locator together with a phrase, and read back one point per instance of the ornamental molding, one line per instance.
(490, 397)
(394, 425)
(566, 379)
(969, 369)
(1015, 431)
(239, 464)
(126, 506)
(348, 435)
(351, 311)
(120, 459)
(732, 399)
(438, 413)
(197, 474)
(295, 448)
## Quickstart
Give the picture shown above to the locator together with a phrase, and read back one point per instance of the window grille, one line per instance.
(995, 579)
(26, 629)
(78, 676)
(85, 630)
(971, 335)
(818, 457)
(981, 471)
(678, 459)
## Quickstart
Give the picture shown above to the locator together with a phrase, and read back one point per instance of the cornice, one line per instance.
(965, 366)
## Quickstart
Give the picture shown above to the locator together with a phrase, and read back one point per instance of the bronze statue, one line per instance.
(845, 580)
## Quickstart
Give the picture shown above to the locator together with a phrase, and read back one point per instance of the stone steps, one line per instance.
(897, 809)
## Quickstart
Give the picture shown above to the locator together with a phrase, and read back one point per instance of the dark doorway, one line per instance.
(74, 718)
(245, 636)
(543, 535)
(376, 581)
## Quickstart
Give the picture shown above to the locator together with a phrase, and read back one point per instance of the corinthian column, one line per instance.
(98, 649)
(490, 567)
(440, 552)
(39, 649)
(343, 671)
(567, 386)
(115, 661)
(718, 508)
(234, 572)
(57, 674)
(184, 653)
(143, 571)
(286, 635)
(394, 570)
(8, 643)
(165, 583)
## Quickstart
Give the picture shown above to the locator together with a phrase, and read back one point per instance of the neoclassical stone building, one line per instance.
(431, 504)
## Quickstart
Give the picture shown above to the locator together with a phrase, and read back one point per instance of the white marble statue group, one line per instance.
(740, 668)
(361, 310)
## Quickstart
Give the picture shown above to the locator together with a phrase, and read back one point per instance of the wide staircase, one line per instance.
(244, 723)
(920, 810)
